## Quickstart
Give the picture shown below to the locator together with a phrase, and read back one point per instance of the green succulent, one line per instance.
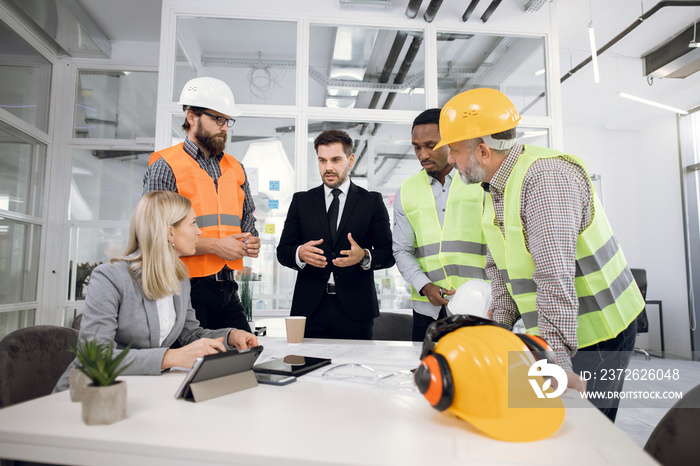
(97, 361)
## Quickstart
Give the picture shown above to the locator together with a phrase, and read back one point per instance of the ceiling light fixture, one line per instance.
(539, 72)
(693, 43)
(652, 103)
(534, 134)
(594, 53)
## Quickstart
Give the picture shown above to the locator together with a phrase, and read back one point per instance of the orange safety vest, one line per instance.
(218, 213)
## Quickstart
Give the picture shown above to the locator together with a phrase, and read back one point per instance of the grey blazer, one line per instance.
(116, 310)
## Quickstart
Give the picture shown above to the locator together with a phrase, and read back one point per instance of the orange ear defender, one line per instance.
(434, 380)
(539, 348)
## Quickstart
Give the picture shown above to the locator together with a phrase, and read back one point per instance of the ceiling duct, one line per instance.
(674, 59)
(412, 8)
(470, 9)
(639, 21)
(404, 68)
(489, 11)
(651, 12)
(64, 25)
(432, 10)
(393, 56)
(401, 74)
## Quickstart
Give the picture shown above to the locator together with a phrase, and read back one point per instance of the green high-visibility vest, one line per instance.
(456, 252)
(608, 297)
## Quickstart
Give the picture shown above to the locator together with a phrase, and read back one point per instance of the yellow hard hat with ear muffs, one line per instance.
(466, 370)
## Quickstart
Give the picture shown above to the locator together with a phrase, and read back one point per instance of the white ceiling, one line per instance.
(137, 20)
(584, 103)
(598, 105)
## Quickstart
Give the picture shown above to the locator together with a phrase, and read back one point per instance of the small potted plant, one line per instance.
(247, 299)
(104, 400)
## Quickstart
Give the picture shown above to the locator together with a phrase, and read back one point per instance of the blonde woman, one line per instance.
(143, 298)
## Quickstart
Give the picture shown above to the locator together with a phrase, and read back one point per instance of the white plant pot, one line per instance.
(77, 382)
(104, 405)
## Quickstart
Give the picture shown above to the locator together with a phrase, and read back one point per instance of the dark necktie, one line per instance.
(333, 214)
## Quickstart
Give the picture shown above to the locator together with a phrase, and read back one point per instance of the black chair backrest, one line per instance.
(674, 441)
(392, 326)
(32, 360)
(640, 276)
(76, 322)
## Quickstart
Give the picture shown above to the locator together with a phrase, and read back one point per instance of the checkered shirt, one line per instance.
(555, 207)
(160, 177)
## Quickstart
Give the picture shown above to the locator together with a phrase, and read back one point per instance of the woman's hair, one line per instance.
(153, 260)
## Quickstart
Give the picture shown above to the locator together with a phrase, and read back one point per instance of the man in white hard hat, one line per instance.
(437, 240)
(217, 186)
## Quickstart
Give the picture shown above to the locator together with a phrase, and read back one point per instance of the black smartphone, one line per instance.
(291, 365)
(275, 379)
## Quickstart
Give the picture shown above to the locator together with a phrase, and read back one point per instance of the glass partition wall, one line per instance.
(24, 134)
(294, 78)
(689, 130)
(112, 138)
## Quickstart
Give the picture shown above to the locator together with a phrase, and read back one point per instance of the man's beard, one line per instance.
(340, 178)
(211, 142)
(474, 172)
(432, 172)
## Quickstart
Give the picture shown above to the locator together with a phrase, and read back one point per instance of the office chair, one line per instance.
(32, 360)
(76, 322)
(674, 440)
(392, 326)
(640, 276)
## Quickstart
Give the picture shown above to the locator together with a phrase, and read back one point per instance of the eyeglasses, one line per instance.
(220, 121)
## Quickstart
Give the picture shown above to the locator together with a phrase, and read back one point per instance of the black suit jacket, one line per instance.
(365, 216)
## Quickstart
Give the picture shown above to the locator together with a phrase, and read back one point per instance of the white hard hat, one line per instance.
(473, 298)
(209, 93)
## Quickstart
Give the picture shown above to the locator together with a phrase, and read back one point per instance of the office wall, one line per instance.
(642, 196)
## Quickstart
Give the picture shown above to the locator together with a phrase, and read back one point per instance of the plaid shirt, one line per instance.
(555, 207)
(160, 177)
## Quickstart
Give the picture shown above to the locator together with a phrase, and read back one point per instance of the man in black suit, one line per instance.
(335, 236)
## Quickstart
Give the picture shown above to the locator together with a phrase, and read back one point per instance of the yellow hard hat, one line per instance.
(469, 373)
(476, 113)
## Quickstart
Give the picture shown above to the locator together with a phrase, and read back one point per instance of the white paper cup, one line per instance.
(295, 328)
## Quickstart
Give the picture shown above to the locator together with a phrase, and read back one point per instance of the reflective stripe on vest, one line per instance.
(608, 296)
(218, 213)
(455, 253)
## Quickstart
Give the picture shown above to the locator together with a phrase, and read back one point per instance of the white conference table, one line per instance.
(311, 421)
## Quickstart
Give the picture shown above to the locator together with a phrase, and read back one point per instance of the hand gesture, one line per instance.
(435, 294)
(185, 356)
(252, 246)
(312, 255)
(242, 339)
(233, 247)
(352, 256)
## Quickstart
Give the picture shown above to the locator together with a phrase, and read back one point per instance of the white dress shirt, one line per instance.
(404, 242)
(342, 197)
(166, 316)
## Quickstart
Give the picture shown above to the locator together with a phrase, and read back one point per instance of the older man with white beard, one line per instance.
(552, 257)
